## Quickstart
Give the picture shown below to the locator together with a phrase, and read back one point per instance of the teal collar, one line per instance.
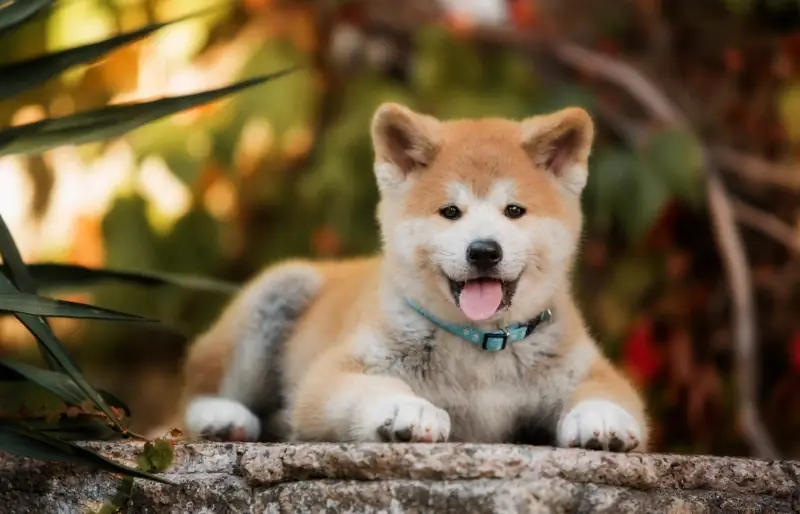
(493, 341)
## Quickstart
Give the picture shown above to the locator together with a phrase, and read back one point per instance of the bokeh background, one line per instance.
(692, 209)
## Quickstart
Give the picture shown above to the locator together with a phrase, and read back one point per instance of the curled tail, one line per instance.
(260, 321)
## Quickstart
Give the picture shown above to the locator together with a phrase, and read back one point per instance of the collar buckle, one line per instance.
(544, 317)
(495, 341)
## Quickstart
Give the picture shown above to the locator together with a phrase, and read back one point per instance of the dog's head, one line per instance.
(481, 218)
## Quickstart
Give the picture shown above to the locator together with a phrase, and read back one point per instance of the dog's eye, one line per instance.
(514, 211)
(450, 212)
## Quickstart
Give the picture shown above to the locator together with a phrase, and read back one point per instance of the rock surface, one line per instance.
(395, 478)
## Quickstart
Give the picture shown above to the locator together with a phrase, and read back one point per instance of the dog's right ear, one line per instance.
(404, 141)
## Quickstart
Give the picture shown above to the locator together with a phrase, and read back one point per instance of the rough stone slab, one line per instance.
(396, 478)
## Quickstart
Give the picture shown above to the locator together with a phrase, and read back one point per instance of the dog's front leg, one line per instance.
(337, 401)
(603, 412)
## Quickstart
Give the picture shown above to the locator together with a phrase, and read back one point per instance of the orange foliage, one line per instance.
(88, 248)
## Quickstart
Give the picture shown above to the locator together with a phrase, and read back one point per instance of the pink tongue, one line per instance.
(480, 298)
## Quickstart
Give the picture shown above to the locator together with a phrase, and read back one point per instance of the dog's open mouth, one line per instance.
(481, 298)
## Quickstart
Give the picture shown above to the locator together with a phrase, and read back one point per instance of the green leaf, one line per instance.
(676, 156)
(54, 352)
(613, 171)
(111, 121)
(18, 439)
(642, 200)
(21, 76)
(15, 12)
(41, 306)
(15, 269)
(55, 381)
(12, 261)
(51, 348)
(157, 456)
(627, 185)
(55, 276)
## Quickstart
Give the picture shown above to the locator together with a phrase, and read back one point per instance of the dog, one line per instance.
(462, 328)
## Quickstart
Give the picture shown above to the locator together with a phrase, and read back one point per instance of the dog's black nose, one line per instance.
(484, 253)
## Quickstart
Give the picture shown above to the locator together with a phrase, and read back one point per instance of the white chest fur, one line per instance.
(487, 394)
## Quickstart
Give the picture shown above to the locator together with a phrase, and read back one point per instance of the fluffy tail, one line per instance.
(232, 372)
(274, 305)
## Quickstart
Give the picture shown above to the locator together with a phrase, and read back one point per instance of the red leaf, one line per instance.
(523, 13)
(641, 356)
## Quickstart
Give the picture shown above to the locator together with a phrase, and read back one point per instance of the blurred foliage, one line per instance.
(76, 410)
(264, 176)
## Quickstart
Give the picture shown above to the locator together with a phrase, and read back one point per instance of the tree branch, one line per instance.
(769, 224)
(756, 169)
(728, 238)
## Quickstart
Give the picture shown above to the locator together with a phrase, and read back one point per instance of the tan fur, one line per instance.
(340, 364)
(207, 358)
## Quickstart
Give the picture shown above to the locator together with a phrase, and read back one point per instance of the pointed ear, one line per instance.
(560, 143)
(404, 141)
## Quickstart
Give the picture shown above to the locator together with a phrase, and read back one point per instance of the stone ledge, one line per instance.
(462, 478)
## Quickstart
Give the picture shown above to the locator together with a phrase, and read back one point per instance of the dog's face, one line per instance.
(482, 217)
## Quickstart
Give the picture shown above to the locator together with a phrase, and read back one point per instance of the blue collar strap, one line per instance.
(493, 341)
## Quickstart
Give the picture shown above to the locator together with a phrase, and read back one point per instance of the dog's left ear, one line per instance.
(404, 141)
(560, 143)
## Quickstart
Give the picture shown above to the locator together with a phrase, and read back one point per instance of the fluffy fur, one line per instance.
(331, 351)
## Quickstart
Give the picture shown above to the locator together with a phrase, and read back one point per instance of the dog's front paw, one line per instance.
(221, 419)
(599, 425)
(406, 419)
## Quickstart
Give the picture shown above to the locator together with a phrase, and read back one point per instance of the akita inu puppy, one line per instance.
(463, 329)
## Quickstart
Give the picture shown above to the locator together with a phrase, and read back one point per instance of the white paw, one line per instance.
(406, 419)
(599, 425)
(220, 418)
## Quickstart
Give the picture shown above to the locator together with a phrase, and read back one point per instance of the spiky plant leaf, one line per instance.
(50, 276)
(16, 12)
(41, 306)
(111, 121)
(13, 265)
(55, 353)
(56, 381)
(18, 289)
(24, 75)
